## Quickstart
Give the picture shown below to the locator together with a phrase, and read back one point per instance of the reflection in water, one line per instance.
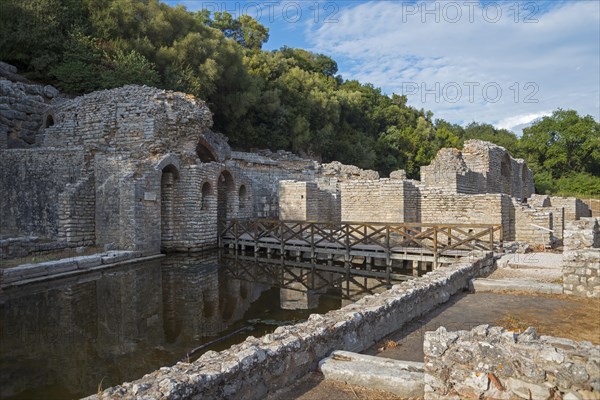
(63, 338)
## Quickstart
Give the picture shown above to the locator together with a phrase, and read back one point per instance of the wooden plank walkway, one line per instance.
(435, 243)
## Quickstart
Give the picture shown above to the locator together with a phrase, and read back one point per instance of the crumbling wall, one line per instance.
(31, 183)
(264, 171)
(501, 173)
(448, 171)
(491, 362)
(25, 109)
(581, 258)
(139, 119)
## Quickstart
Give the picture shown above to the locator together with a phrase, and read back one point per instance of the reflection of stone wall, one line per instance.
(117, 324)
(76, 334)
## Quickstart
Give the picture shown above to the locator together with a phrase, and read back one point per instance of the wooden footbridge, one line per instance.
(347, 241)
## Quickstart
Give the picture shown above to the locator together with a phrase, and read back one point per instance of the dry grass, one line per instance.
(578, 320)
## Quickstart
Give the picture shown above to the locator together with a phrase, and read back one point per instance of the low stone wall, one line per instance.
(28, 245)
(257, 366)
(581, 258)
(25, 273)
(492, 363)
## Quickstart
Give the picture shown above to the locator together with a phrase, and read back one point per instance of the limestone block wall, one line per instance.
(264, 175)
(438, 206)
(501, 173)
(25, 109)
(491, 362)
(449, 171)
(77, 210)
(128, 213)
(527, 223)
(594, 206)
(383, 200)
(141, 119)
(581, 258)
(574, 208)
(31, 182)
(293, 201)
(196, 204)
(306, 201)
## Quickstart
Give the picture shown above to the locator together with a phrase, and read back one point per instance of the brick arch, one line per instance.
(226, 196)
(205, 152)
(169, 159)
(169, 187)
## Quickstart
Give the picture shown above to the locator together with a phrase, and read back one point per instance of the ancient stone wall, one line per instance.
(448, 171)
(594, 206)
(533, 225)
(31, 183)
(139, 119)
(438, 206)
(383, 200)
(25, 109)
(264, 174)
(501, 173)
(491, 362)
(256, 367)
(574, 208)
(306, 201)
(77, 212)
(581, 258)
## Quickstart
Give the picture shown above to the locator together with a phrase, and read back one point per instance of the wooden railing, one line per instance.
(361, 238)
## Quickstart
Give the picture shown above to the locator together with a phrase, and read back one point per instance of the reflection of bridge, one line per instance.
(432, 243)
(308, 277)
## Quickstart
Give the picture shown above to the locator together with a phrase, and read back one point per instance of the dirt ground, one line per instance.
(314, 387)
(552, 315)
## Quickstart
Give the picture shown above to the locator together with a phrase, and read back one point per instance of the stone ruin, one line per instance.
(138, 168)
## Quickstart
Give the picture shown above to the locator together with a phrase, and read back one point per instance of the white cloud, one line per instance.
(537, 66)
(518, 122)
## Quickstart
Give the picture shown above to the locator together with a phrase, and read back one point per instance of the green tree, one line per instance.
(560, 146)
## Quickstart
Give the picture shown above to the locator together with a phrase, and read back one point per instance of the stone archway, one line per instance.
(225, 197)
(168, 183)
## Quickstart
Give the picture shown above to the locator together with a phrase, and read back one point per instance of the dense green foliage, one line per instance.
(563, 150)
(286, 99)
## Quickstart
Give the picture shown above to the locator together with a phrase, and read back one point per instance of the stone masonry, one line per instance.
(493, 363)
(581, 258)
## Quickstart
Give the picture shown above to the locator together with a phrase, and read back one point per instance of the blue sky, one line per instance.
(505, 62)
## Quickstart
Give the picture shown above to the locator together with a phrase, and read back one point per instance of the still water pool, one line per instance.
(65, 338)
